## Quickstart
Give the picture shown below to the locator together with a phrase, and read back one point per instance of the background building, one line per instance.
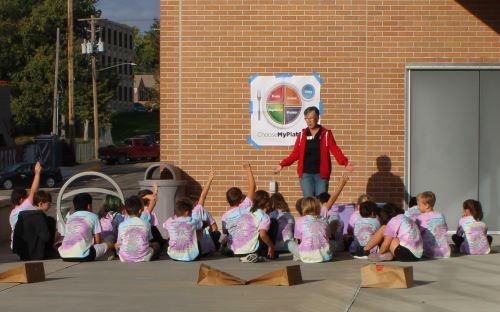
(145, 88)
(391, 69)
(118, 49)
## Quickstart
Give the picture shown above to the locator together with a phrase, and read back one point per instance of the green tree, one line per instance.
(147, 49)
(27, 59)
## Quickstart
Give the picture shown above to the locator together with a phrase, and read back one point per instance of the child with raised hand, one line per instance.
(401, 238)
(82, 240)
(210, 235)
(149, 199)
(184, 232)
(239, 205)
(313, 232)
(110, 217)
(364, 229)
(471, 235)
(433, 228)
(22, 201)
(286, 221)
(134, 235)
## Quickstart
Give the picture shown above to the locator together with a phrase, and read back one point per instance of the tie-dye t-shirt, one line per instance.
(207, 244)
(286, 224)
(364, 228)
(474, 234)
(150, 217)
(433, 230)
(109, 226)
(412, 213)
(407, 232)
(14, 215)
(134, 235)
(314, 235)
(244, 233)
(183, 243)
(352, 221)
(81, 227)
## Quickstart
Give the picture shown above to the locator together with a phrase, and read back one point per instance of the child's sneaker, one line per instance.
(250, 258)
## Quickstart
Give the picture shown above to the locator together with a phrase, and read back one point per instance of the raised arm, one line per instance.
(340, 187)
(36, 182)
(251, 180)
(152, 198)
(206, 188)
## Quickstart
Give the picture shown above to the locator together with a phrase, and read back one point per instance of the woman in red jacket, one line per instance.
(312, 149)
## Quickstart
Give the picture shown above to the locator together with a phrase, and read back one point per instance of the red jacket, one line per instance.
(327, 144)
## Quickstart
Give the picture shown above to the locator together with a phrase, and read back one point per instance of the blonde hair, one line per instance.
(427, 197)
(311, 206)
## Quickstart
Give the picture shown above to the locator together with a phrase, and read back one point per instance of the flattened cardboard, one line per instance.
(386, 276)
(287, 276)
(32, 272)
(210, 276)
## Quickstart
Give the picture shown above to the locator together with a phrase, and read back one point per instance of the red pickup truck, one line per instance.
(136, 148)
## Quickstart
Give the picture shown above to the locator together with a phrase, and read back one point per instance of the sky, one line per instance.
(139, 13)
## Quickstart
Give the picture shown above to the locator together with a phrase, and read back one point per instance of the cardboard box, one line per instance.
(386, 276)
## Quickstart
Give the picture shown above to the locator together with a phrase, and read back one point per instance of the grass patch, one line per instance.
(129, 124)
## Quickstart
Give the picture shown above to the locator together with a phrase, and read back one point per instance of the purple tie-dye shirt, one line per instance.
(109, 226)
(407, 232)
(314, 235)
(364, 228)
(286, 224)
(474, 234)
(134, 235)
(81, 227)
(183, 243)
(352, 221)
(434, 232)
(412, 213)
(207, 244)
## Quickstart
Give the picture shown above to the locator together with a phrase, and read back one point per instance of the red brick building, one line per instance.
(362, 49)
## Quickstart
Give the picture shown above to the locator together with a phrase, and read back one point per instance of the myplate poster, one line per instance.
(277, 107)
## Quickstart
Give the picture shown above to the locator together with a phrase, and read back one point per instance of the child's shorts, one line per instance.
(403, 254)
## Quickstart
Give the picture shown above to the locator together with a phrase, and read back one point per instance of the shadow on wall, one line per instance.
(384, 187)
(193, 188)
(486, 10)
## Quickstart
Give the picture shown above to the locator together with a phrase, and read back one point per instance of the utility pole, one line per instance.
(71, 113)
(55, 109)
(91, 49)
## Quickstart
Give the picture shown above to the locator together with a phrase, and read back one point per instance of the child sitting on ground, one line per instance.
(364, 228)
(210, 235)
(35, 232)
(134, 235)
(313, 232)
(412, 212)
(433, 228)
(149, 198)
(331, 215)
(110, 217)
(471, 235)
(184, 232)
(349, 236)
(298, 206)
(82, 239)
(238, 205)
(400, 239)
(286, 222)
(22, 201)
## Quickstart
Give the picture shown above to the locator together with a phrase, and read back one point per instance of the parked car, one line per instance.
(135, 148)
(138, 107)
(21, 175)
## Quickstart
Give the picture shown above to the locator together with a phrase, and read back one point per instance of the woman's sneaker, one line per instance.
(250, 258)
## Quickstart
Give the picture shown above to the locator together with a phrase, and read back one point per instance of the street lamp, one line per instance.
(116, 65)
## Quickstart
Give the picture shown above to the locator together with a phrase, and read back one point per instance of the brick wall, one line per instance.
(210, 48)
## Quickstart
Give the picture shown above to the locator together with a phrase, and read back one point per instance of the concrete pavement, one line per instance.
(457, 284)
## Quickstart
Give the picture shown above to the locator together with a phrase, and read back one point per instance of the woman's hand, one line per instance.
(277, 169)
